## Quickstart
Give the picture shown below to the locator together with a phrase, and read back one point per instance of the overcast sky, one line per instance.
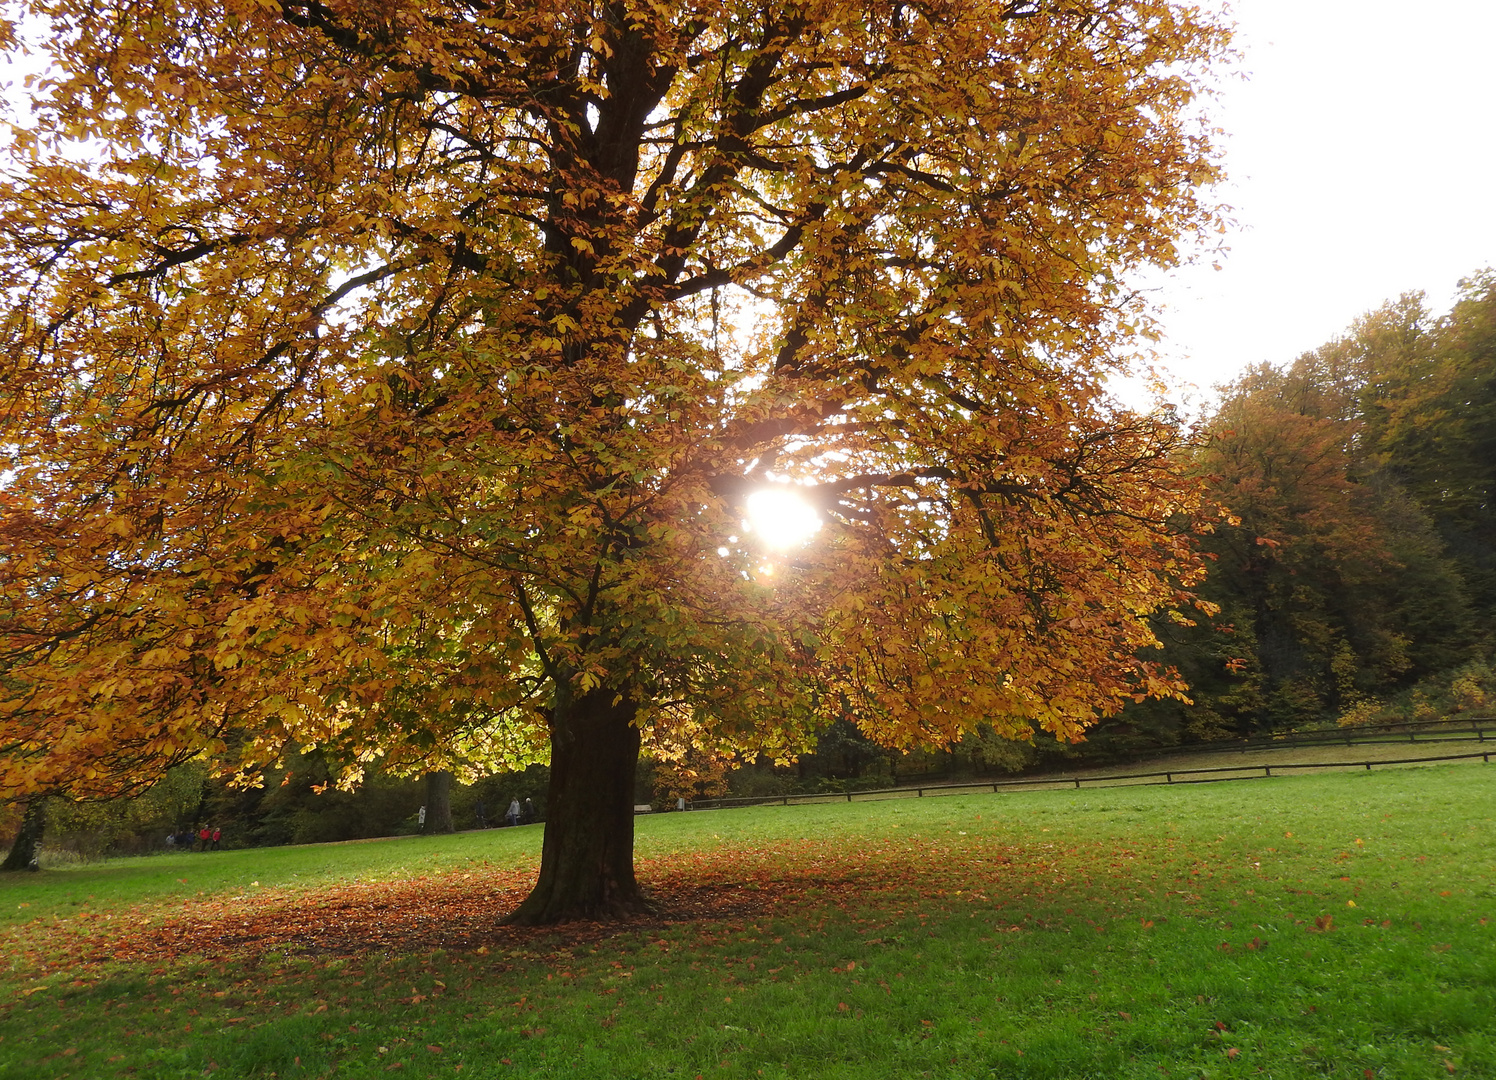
(1361, 150)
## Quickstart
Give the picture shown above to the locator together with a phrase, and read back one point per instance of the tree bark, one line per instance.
(587, 855)
(25, 853)
(439, 803)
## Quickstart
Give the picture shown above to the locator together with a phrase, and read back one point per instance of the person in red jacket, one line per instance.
(203, 835)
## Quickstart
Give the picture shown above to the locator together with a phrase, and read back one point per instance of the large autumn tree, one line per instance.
(391, 378)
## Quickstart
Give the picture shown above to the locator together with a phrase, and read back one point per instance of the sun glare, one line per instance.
(781, 518)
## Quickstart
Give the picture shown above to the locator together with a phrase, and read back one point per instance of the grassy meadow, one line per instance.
(1338, 925)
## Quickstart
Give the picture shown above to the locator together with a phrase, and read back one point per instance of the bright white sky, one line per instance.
(1361, 151)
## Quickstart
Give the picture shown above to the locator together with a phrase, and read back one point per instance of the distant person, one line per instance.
(480, 814)
(512, 817)
(528, 813)
(217, 835)
(203, 836)
(421, 819)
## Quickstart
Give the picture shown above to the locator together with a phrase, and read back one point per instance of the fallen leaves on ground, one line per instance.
(461, 913)
(463, 910)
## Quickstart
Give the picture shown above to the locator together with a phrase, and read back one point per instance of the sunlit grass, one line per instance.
(1333, 925)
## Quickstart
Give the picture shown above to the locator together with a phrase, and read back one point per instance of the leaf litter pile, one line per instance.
(455, 912)
(462, 910)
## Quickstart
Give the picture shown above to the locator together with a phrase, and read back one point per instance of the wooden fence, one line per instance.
(1167, 776)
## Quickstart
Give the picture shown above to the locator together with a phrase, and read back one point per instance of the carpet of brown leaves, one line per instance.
(458, 912)
(462, 911)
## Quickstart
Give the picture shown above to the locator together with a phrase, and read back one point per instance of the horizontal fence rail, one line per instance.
(1416, 732)
(1144, 779)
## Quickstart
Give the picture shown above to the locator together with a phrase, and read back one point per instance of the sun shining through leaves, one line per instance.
(781, 518)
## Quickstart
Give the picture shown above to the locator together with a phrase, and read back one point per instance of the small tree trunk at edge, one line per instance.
(439, 803)
(587, 856)
(25, 853)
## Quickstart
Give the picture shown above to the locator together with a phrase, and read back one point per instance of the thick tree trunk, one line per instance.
(25, 853)
(587, 856)
(439, 803)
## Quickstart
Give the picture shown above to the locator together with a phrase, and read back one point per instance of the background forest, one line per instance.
(1355, 582)
(1358, 579)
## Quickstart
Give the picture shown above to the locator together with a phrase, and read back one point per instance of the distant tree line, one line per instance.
(295, 804)
(1356, 580)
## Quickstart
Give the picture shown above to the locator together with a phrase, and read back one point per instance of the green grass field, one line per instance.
(1339, 925)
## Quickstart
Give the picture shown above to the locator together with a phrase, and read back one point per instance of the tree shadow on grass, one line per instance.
(463, 911)
(458, 914)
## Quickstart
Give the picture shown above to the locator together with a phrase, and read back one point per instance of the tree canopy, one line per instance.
(391, 379)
